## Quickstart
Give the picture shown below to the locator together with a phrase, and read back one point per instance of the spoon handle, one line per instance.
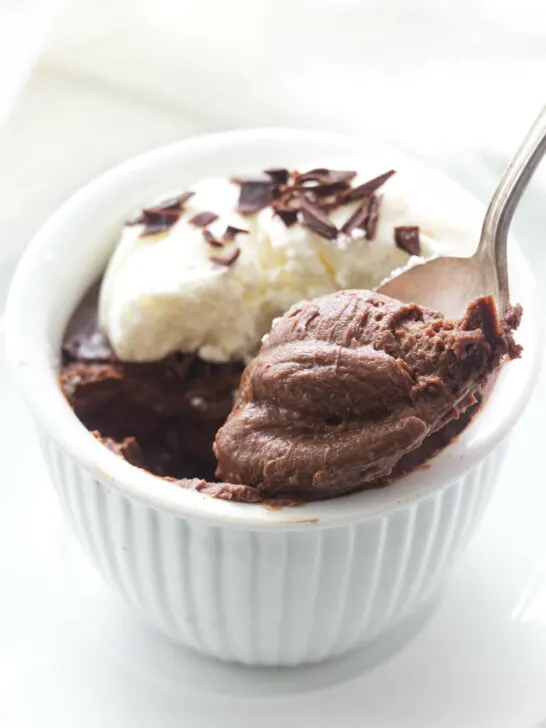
(499, 215)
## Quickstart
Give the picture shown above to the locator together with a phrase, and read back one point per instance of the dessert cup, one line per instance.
(244, 582)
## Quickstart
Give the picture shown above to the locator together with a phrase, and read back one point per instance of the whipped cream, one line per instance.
(176, 291)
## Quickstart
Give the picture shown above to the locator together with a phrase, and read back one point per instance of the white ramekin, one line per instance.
(238, 581)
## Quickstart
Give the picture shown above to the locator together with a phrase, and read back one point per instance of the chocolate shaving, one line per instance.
(256, 193)
(174, 203)
(317, 221)
(373, 217)
(162, 216)
(358, 218)
(289, 217)
(231, 233)
(211, 240)
(229, 260)
(278, 175)
(157, 228)
(309, 196)
(153, 216)
(290, 199)
(368, 188)
(329, 189)
(228, 237)
(406, 238)
(326, 176)
(202, 219)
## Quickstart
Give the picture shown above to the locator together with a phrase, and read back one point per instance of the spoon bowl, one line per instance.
(445, 284)
(449, 284)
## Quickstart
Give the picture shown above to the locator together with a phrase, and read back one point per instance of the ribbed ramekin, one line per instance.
(238, 581)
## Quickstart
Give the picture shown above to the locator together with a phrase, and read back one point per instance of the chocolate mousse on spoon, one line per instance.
(347, 385)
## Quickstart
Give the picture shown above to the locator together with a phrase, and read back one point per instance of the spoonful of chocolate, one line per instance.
(447, 284)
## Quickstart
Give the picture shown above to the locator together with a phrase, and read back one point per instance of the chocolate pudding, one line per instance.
(160, 415)
(348, 384)
(348, 391)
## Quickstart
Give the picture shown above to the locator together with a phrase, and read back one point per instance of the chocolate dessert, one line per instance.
(160, 415)
(349, 389)
(347, 392)
(346, 385)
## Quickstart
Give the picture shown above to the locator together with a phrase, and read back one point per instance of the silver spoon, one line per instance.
(448, 284)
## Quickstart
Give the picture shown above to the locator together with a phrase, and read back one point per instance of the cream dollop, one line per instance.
(164, 293)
